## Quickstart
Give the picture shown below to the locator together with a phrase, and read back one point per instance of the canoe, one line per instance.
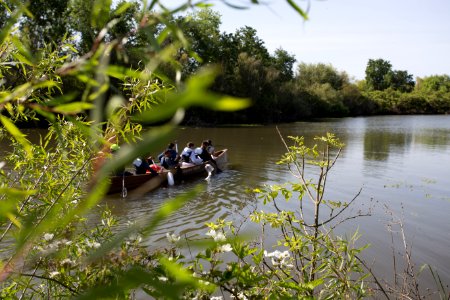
(144, 183)
(139, 183)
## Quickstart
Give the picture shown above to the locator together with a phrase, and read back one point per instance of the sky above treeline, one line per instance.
(412, 35)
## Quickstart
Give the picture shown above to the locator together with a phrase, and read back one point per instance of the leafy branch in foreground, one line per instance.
(306, 260)
(48, 186)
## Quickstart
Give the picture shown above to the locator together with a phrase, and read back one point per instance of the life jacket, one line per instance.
(186, 155)
(196, 156)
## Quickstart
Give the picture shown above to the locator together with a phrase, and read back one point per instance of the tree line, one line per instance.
(278, 92)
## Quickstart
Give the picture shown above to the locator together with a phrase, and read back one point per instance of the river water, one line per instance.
(401, 164)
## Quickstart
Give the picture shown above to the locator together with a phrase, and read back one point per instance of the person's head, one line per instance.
(114, 147)
(190, 145)
(205, 144)
(209, 142)
(170, 146)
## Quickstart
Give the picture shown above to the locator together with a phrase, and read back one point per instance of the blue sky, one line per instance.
(413, 35)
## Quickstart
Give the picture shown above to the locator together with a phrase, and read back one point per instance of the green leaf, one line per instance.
(100, 13)
(195, 94)
(8, 208)
(24, 55)
(17, 134)
(73, 108)
(298, 9)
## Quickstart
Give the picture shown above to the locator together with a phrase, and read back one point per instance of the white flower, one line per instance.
(68, 262)
(204, 282)
(217, 236)
(92, 244)
(48, 236)
(278, 258)
(162, 278)
(53, 274)
(225, 248)
(53, 246)
(137, 238)
(172, 238)
(240, 296)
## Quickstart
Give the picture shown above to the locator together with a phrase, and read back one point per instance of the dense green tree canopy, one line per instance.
(435, 83)
(311, 74)
(400, 81)
(376, 72)
(380, 76)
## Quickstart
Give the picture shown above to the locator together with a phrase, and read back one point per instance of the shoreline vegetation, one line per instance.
(243, 68)
(97, 74)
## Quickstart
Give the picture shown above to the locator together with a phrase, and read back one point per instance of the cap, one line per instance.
(114, 147)
(137, 162)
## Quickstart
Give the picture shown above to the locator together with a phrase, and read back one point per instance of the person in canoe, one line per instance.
(206, 156)
(190, 155)
(187, 152)
(173, 153)
(142, 167)
(167, 161)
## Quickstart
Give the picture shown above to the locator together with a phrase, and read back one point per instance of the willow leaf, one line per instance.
(17, 134)
(73, 108)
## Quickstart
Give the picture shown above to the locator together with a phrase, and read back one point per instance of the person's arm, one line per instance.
(195, 159)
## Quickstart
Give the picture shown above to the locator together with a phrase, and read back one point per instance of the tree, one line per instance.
(435, 83)
(201, 29)
(48, 24)
(317, 74)
(400, 81)
(284, 62)
(376, 72)
(250, 43)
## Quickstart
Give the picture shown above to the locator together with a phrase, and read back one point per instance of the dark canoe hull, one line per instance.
(144, 182)
(220, 157)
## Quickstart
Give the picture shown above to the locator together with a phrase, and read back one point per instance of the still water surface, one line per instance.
(401, 163)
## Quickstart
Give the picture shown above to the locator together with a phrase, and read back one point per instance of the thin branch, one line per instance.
(374, 277)
(51, 279)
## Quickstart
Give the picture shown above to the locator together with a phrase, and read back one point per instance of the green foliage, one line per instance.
(380, 76)
(308, 262)
(47, 22)
(376, 72)
(436, 83)
(49, 185)
(121, 72)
